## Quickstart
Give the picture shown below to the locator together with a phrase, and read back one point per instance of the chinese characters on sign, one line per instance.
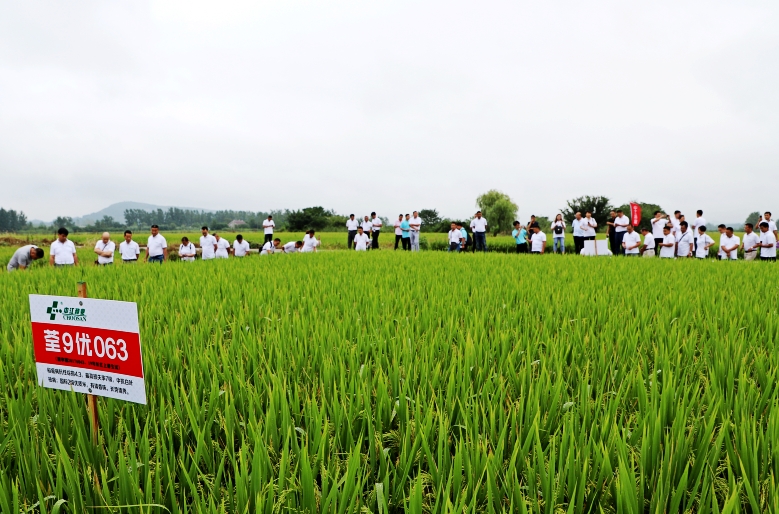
(88, 346)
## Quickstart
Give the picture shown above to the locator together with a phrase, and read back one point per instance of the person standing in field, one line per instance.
(271, 247)
(398, 230)
(538, 241)
(729, 244)
(207, 245)
(700, 221)
(367, 227)
(479, 229)
(405, 229)
(631, 241)
(105, 249)
(63, 251)
(416, 226)
(658, 222)
(621, 224)
(156, 246)
(520, 237)
(720, 253)
(588, 226)
(222, 247)
(749, 244)
(23, 257)
(648, 248)
(668, 246)
(464, 232)
(675, 221)
(704, 243)
(310, 242)
(361, 240)
(578, 233)
(351, 228)
(684, 245)
(268, 225)
(129, 249)
(293, 247)
(771, 224)
(241, 247)
(187, 250)
(455, 238)
(767, 243)
(558, 234)
(611, 234)
(376, 225)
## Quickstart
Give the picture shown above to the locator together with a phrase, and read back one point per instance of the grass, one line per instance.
(389, 382)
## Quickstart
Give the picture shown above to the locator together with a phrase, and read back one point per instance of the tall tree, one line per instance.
(599, 206)
(315, 218)
(752, 218)
(499, 210)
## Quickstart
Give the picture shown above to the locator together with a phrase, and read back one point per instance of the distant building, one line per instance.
(237, 224)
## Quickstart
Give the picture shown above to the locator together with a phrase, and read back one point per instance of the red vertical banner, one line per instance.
(635, 214)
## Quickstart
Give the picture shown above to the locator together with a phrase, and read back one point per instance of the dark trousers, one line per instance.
(268, 238)
(578, 244)
(350, 239)
(406, 241)
(479, 241)
(522, 248)
(658, 242)
(454, 247)
(613, 245)
(375, 244)
(618, 237)
(397, 240)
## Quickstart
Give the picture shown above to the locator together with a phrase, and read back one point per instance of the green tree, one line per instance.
(431, 220)
(752, 218)
(647, 213)
(499, 210)
(315, 218)
(599, 206)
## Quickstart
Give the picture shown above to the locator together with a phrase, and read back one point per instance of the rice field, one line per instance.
(392, 382)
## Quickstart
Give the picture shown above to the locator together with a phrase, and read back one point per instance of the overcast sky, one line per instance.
(388, 105)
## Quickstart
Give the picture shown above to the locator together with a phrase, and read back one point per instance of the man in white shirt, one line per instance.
(351, 227)
(771, 224)
(588, 226)
(310, 242)
(668, 246)
(361, 240)
(704, 243)
(720, 253)
(415, 224)
(621, 224)
(207, 245)
(240, 246)
(63, 251)
(578, 233)
(398, 231)
(749, 244)
(631, 241)
(479, 230)
(455, 238)
(700, 221)
(268, 225)
(685, 242)
(156, 246)
(105, 250)
(129, 249)
(658, 222)
(367, 227)
(648, 248)
(677, 218)
(729, 245)
(293, 247)
(271, 247)
(222, 247)
(376, 225)
(537, 241)
(767, 243)
(187, 250)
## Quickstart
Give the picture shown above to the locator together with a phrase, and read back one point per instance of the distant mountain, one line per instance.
(116, 211)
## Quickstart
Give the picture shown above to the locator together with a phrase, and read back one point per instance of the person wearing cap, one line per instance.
(729, 244)
(156, 246)
(63, 251)
(187, 250)
(271, 247)
(749, 242)
(415, 223)
(129, 249)
(376, 225)
(621, 224)
(222, 247)
(207, 245)
(351, 228)
(268, 225)
(630, 241)
(578, 233)
(240, 246)
(398, 231)
(105, 250)
(767, 243)
(24, 256)
(704, 243)
(479, 229)
(648, 248)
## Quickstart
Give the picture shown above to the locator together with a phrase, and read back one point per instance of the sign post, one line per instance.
(91, 398)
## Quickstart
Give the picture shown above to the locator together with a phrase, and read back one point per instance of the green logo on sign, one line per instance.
(67, 313)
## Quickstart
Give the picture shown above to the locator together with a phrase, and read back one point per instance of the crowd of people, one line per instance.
(669, 237)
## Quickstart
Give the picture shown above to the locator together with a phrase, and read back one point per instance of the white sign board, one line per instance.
(596, 247)
(88, 346)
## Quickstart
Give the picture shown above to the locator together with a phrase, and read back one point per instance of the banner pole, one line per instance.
(91, 399)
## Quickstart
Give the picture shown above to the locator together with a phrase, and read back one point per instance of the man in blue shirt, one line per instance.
(405, 229)
(520, 237)
(465, 236)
